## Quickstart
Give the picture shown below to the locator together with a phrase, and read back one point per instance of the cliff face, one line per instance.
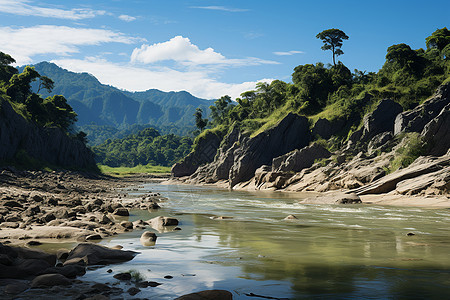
(240, 155)
(280, 157)
(51, 145)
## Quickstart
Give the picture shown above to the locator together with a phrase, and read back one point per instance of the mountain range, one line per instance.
(100, 104)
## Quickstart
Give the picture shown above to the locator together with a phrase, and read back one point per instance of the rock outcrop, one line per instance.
(415, 120)
(204, 153)
(240, 155)
(298, 160)
(281, 157)
(51, 145)
(291, 133)
(437, 132)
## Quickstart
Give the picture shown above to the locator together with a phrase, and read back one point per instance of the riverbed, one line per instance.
(335, 252)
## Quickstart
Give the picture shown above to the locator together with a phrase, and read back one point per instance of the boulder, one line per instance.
(148, 238)
(16, 288)
(23, 268)
(298, 160)
(49, 280)
(382, 119)
(123, 276)
(126, 224)
(121, 211)
(97, 255)
(69, 271)
(161, 221)
(208, 295)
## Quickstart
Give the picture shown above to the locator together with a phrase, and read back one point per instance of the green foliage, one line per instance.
(413, 147)
(139, 169)
(50, 112)
(145, 147)
(333, 92)
(199, 121)
(332, 40)
(438, 39)
(220, 110)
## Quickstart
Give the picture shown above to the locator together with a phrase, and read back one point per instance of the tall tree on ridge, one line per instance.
(332, 39)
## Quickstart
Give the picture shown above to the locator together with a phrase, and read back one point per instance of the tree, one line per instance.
(6, 71)
(220, 109)
(45, 83)
(332, 40)
(438, 39)
(199, 121)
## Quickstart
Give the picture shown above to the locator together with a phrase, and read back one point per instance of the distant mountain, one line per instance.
(99, 104)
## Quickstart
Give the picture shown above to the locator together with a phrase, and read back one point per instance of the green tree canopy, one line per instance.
(438, 39)
(220, 109)
(199, 121)
(332, 40)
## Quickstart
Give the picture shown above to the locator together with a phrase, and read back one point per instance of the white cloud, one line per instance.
(132, 78)
(281, 53)
(22, 8)
(221, 8)
(24, 43)
(181, 50)
(127, 18)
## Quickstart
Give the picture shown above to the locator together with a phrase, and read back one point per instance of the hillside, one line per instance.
(37, 132)
(99, 104)
(331, 129)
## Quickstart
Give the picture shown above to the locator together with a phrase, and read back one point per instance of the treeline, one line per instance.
(16, 88)
(408, 77)
(145, 147)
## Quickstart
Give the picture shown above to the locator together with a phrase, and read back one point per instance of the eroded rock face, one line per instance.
(390, 182)
(46, 144)
(381, 119)
(298, 160)
(437, 132)
(416, 119)
(205, 152)
(325, 128)
(291, 133)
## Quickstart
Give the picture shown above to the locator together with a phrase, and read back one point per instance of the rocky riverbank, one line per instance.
(394, 154)
(67, 207)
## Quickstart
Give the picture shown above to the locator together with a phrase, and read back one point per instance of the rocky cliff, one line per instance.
(283, 158)
(50, 145)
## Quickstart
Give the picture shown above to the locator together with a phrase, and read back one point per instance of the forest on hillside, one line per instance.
(408, 76)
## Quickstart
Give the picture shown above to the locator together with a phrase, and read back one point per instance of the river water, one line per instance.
(332, 252)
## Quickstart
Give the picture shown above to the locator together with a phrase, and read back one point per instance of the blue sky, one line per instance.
(208, 48)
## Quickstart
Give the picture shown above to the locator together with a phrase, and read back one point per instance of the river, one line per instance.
(334, 252)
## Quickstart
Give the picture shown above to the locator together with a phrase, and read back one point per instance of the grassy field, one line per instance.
(124, 171)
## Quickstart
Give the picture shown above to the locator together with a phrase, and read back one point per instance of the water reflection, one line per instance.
(335, 252)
